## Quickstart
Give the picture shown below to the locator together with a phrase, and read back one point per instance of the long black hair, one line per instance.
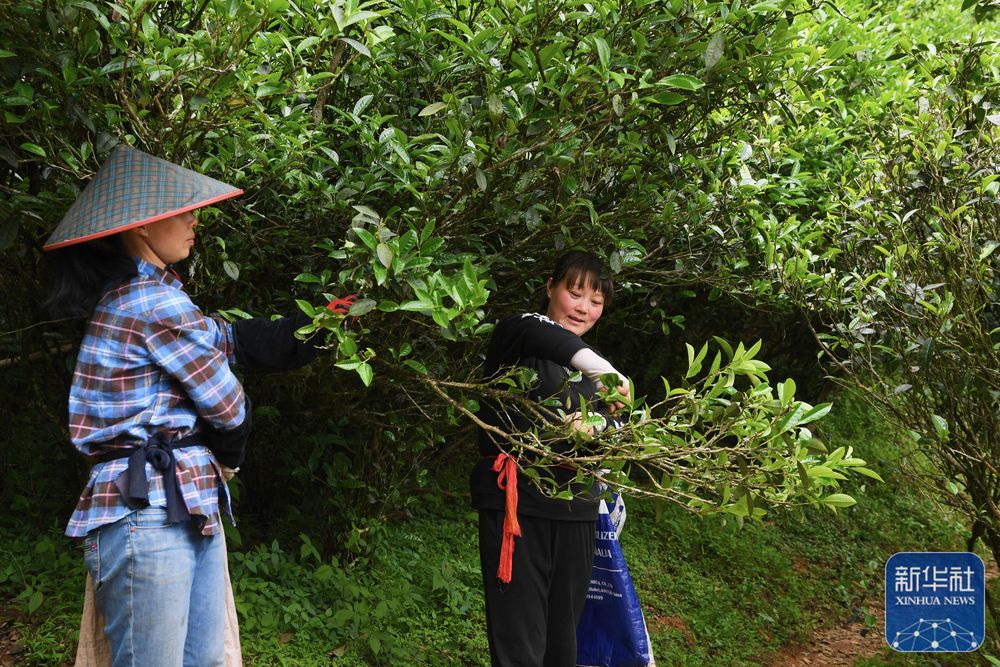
(82, 273)
(582, 268)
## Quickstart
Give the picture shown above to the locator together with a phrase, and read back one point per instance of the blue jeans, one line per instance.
(161, 589)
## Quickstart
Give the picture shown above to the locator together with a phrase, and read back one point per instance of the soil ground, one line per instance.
(837, 646)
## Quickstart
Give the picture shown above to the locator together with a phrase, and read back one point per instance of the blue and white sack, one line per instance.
(612, 631)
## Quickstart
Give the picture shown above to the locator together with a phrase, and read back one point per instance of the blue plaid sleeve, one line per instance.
(183, 343)
(222, 332)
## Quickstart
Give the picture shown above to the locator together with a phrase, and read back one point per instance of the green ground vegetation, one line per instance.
(407, 592)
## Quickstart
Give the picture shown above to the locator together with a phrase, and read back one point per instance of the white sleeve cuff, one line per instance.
(594, 366)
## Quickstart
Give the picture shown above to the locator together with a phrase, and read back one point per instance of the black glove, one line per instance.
(230, 446)
(271, 345)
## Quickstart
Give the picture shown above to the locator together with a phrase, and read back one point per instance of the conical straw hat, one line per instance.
(132, 189)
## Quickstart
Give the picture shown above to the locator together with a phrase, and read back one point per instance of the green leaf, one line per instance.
(740, 508)
(786, 391)
(724, 344)
(360, 15)
(306, 307)
(791, 419)
(682, 81)
(307, 278)
(692, 369)
(384, 253)
(603, 52)
(441, 318)
(92, 8)
(361, 105)
(714, 50)
(366, 237)
(417, 366)
(940, 426)
(617, 106)
(765, 8)
(348, 347)
(416, 305)
(815, 413)
(616, 262)
(838, 49)
(867, 472)
(838, 500)
(362, 307)
(803, 475)
(433, 108)
(357, 46)
(367, 212)
(232, 314)
(34, 148)
(233, 535)
(381, 274)
(365, 372)
(35, 601)
(666, 98)
(825, 472)
(231, 269)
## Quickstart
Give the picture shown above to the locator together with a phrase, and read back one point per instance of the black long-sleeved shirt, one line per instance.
(534, 341)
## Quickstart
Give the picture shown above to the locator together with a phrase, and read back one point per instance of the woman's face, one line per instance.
(575, 307)
(164, 242)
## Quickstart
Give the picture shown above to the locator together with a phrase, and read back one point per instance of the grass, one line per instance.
(41, 595)
(713, 594)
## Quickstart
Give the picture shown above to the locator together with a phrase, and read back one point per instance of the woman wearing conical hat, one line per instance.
(156, 407)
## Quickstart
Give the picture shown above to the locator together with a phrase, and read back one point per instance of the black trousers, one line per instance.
(531, 622)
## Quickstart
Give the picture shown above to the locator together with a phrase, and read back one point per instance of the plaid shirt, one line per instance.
(150, 362)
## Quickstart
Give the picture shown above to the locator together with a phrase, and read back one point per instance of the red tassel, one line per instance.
(506, 466)
(342, 305)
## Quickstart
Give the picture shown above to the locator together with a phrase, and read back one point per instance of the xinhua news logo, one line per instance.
(935, 602)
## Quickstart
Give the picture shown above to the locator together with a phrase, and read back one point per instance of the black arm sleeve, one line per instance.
(271, 345)
(230, 446)
(530, 335)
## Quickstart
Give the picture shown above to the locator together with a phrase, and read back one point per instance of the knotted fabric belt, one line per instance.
(506, 467)
(132, 483)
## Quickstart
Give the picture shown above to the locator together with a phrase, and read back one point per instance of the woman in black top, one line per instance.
(535, 592)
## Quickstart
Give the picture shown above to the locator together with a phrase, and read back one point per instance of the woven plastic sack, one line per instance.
(612, 631)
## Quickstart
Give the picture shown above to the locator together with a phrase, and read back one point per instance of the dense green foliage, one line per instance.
(821, 178)
(901, 273)
(435, 159)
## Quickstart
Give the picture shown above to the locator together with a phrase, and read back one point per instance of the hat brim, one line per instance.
(144, 221)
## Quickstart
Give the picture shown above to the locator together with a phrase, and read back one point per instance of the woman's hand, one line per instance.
(623, 390)
(575, 420)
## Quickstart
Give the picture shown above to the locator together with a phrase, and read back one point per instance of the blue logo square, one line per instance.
(935, 602)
